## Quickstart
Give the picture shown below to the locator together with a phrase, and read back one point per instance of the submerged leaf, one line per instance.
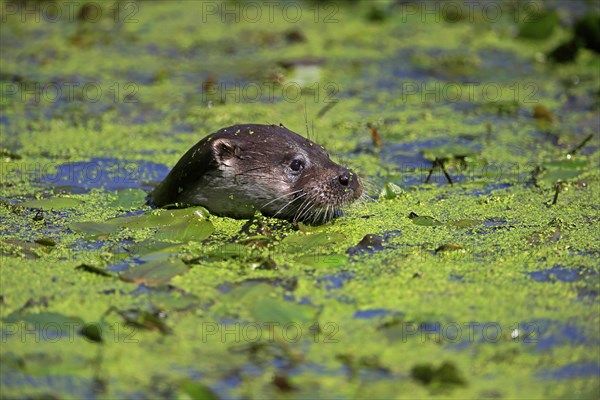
(446, 374)
(448, 152)
(155, 273)
(93, 229)
(94, 270)
(144, 320)
(465, 223)
(449, 247)
(47, 322)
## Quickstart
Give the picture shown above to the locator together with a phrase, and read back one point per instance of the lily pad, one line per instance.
(300, 242)
(390, 191)
(249, 293)
(560, 171)
(186, 230)
(151, 246)
(424, 220)
(155, 273)
(269, 310)
(195, 391)
(52, 203)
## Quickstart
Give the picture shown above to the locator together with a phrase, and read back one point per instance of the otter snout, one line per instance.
(348, 179)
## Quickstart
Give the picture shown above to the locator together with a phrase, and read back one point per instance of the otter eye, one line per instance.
(297, 165)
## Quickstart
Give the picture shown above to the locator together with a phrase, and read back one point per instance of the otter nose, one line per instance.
(344, 178)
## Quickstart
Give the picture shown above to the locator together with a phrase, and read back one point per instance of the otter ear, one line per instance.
(225, 149)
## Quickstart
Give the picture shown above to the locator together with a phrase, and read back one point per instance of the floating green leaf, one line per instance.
(52, 203)
(424, 220)
(390, 191)
(282, 312)
(186, 230)
(300, 242)
(569, 164)
(323, 261)
(155, 273)
(250, 292)
(149, 246)
(560, 171)
(195, 391)
(538, 26)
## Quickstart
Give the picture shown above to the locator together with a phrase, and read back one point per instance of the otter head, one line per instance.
(247, 168)
(316, 187)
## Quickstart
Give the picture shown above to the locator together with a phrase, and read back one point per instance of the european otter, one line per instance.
(244, 168)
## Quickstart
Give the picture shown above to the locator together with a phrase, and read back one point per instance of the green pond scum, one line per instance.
(472, 271)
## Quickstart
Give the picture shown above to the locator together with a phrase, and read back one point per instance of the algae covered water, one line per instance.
(472, 271)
